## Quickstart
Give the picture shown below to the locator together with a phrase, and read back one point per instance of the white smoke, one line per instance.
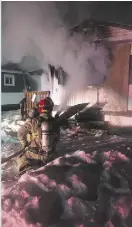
(35, 29)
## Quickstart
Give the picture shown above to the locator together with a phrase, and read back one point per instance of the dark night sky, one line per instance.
(114, 12)
(111, 11)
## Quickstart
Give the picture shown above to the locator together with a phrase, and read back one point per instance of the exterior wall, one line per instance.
(11, 98)
(91, 95)
(116, 86)
(118, 34)
(46, 84)
(57, 91)
(114, 94)
(119, 121)
(130, 83)
(35, 81)
(41, 82)
(130, 98)
(19, 83)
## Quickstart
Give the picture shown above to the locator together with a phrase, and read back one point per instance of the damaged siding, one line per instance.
(113, 96)
(91, 95)
(117, 83)
(130, 83)
(120, 34)
(130, 98)
(117, 34)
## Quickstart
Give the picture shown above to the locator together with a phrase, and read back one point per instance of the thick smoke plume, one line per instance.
(36, 29)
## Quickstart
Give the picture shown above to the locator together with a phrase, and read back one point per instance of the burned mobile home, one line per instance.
(114, 97)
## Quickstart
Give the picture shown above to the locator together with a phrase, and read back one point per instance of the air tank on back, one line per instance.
(47, 138)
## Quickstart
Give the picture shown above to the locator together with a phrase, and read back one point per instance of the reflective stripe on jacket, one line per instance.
(29, 134)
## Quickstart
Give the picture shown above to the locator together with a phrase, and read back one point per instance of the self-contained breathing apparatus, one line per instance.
(50, 129)
(49, 126)
(48, 136)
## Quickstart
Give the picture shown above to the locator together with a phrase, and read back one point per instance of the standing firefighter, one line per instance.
(39, 136)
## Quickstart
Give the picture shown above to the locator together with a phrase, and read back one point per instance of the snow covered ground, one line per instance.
(75, 149)
(10, 123)
(71, 139)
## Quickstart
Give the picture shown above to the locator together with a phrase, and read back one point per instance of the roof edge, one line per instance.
(101, 23)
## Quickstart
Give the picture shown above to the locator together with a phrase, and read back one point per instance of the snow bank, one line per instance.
(10, 124)
(64, 193)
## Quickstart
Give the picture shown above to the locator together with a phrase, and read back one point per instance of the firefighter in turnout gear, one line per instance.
(39, 136)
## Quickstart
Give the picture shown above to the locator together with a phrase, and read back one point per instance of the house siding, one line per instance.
(35, 82)
(40, 82)
(117, 34)
(120, 34)
(19, 83)
(116, 86)
(11, 99)
(113, 96)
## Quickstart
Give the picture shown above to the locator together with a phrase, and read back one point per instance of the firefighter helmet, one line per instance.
(45, 105)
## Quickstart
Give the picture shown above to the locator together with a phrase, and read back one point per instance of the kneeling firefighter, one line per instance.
(39, 136)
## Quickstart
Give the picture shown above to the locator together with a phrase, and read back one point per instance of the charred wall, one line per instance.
(113, 96)
(116, 86)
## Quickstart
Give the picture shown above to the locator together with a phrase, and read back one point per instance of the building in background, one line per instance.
(13, 84)
(15, 81)
(115, 96)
